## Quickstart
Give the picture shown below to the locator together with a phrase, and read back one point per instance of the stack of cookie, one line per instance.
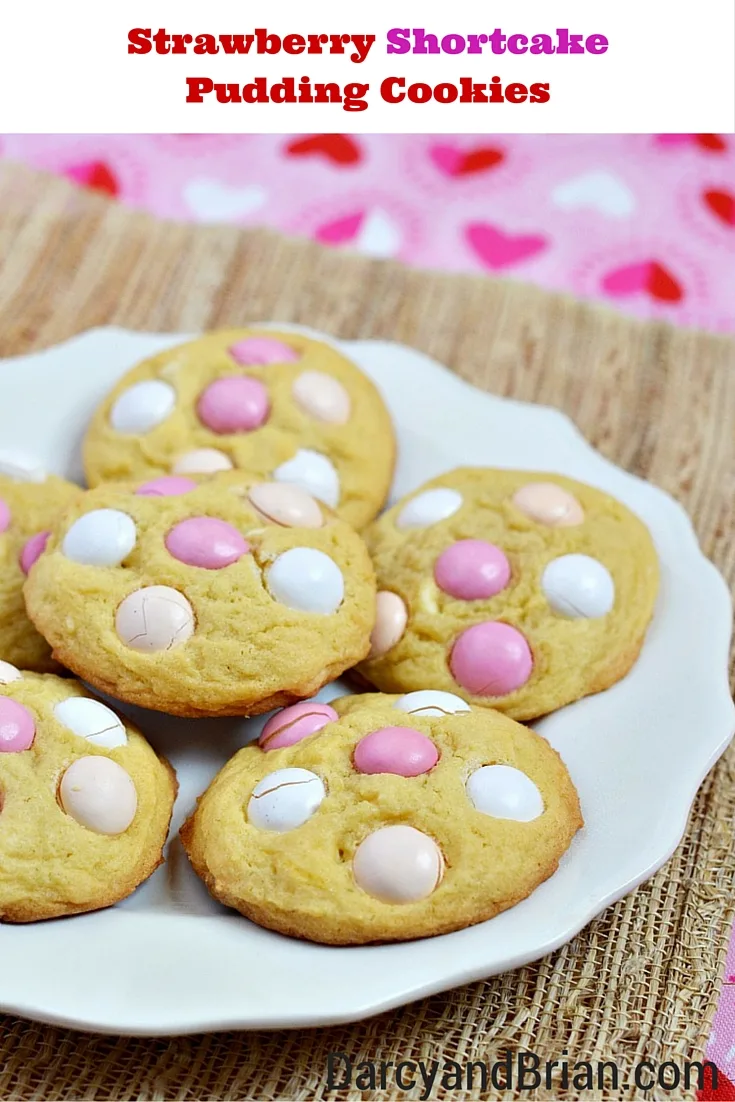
(227, 562)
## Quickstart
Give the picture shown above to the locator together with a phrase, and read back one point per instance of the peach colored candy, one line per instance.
(391, 617)
(260, 351)
(549, 504)
(491, 659)
(398, 864)
(33, 550)
(322, 397)
(285, 504)
(17, 726)
(166, 486)
(237, 403)
(202, 461)
(99, 794)
(400, 750)
(207, 542)
(154, 618)
(291, 725)
(4, 516)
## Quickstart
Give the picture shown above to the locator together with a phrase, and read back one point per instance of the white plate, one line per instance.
(169, 960)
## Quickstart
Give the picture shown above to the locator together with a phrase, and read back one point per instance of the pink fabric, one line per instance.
(721, 1048)
(645, 223)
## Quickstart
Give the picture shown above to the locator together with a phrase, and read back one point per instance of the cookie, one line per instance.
(277, 405)
(228, 598)
(28, 509)
(518, 591)
(85, 803)
(383, 818)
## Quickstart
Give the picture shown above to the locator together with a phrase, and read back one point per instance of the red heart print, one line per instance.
(497, 249)
(662, 285)
(95, 175)
(713, 142)
(464, 162)
(724, 1092)
(722, 205)
(648, 276)
(338, 148)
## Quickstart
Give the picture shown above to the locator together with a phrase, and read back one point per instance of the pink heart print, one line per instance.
(446, 157)
(647, 277)
(340, 230)
(674, 139)
(497, 249)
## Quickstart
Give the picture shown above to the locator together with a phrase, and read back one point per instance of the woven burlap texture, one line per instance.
(643, 979)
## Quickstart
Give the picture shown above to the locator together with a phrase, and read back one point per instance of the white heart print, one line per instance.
(378, 235)
(212, 201)
(599, 191)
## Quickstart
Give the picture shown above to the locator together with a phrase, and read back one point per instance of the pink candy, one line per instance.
(237, 403)
(260, 351)
(400, 750)
(291, 725)
(17, 726)
(4, 516)
(207, 542)
(471, 570)
(33, 550)
(167, 486)
(491, 659)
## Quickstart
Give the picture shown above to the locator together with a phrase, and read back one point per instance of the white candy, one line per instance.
(285, 799)
(504, 793)
(9, 673)
(91, 720)
(99, 795)
(202, 461)
(314, 473)
(431, 702)
(579, 587)
(103, 537)
(308, 580)
(143, 406)
(21, 467)
(429, 508)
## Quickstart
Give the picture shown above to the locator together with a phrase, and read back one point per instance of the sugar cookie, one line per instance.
(515, 590)
(226, 598)
(85, 803)
(382, 818)
(28, 510)
(277, 405)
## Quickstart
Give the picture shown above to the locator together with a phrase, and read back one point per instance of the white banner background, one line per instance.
(670, 67)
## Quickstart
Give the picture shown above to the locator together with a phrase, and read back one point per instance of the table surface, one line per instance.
(642, 980)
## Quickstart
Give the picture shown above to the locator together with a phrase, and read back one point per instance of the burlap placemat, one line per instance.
(643, 980)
